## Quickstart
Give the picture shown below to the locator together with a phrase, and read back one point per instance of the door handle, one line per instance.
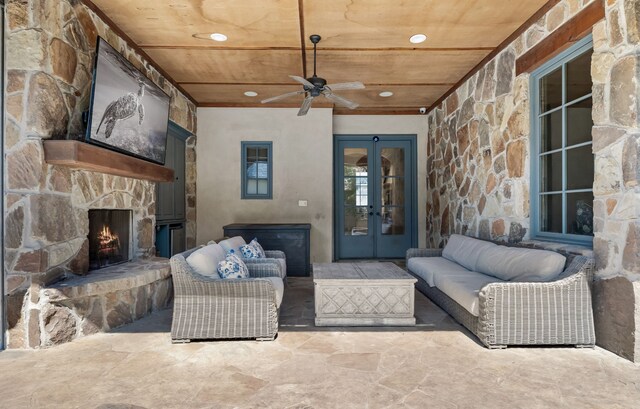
(370, 213)
(377, 213)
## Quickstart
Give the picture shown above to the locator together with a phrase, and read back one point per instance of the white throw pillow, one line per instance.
(205, 261)
(233, 245)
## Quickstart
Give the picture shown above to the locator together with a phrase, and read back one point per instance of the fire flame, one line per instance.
(106, 238)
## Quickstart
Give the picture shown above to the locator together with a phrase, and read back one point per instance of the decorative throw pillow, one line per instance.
(233, 267)
(258, 247)
(249, 251)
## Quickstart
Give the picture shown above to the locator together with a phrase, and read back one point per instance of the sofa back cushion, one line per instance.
(521, 264)
(204, 261)
(233, 245)
(465, 250)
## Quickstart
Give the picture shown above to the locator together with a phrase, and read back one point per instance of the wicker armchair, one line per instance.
(209, 308)
(522, 313)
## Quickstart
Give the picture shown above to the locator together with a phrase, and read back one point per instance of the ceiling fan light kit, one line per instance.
(317, 86)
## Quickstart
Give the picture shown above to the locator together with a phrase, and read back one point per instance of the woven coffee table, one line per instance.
(363, 294)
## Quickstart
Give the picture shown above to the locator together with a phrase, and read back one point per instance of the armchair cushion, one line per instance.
(278, 286)
(233, 267)
(204, 261)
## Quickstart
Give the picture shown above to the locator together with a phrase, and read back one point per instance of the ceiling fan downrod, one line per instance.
(315, 39)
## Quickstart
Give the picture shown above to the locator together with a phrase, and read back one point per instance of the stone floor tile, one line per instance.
(436, 364)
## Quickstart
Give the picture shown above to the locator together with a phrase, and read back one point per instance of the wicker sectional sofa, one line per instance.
(506, 295)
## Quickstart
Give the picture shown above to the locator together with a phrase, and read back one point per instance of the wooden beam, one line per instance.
(563, 37)
(436, 84)
(302, 38)
(376, 111)
(531, 21)
(320, 48)
(81, 155)
(133, 45)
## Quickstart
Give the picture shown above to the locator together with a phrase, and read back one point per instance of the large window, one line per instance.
(562, 160)
(256, 170)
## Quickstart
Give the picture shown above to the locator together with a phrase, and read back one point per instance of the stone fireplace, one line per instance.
(109, 237)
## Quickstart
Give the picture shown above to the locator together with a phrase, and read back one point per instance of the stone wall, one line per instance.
(478, 161)
(616, 145)
(50, 51)
(478, 151)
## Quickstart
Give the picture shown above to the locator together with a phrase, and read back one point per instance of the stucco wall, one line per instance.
(394, 125)
(302, 170)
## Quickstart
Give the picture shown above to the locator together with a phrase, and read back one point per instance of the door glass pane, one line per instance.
(580, 213)
(392, 191)
(356, 190)
(579, 122)
(263, 186)
(356, 220)
(551, 172)
(579, 76)
(551, 131)
(580, 168)
(551, 213)
(392, 162)
(551, 90)
(252, 186)
(392, 221)
(355, 161)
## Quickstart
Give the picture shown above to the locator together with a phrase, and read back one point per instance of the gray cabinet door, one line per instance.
(178, 186)
(164, 197)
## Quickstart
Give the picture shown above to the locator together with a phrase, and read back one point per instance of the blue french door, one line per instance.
(374, 197)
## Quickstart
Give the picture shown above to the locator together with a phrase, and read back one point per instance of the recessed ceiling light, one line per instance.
(386, 94)
(251, 94)
(218, 37)
(418, 38)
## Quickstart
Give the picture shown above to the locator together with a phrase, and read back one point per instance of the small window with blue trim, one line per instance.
(257, 170)
(562, 163)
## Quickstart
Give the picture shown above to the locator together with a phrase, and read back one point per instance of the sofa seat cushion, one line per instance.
(466, 250)
(204, 261)
(278, 285)
(426, 267)
(233, 245)
(521, 264)
(464, 287)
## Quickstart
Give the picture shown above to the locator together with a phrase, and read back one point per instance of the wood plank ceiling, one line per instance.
(362, 40)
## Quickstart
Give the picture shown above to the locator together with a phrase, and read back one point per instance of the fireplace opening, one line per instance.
(109, 237)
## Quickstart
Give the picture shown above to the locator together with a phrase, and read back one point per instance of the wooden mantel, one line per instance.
(81, 155)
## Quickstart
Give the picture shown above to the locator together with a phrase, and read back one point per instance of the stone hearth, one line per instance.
(103, 300)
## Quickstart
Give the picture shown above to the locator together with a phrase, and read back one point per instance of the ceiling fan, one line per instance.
(316, 86)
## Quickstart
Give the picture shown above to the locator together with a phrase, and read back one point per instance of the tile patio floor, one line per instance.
(434, 365)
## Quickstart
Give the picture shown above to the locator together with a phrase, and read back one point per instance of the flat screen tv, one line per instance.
(128, 113)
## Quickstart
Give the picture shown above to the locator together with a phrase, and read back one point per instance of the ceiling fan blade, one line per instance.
(301, 81)
(346, 85)
(306, 104)
(341, 101)
(283, 96)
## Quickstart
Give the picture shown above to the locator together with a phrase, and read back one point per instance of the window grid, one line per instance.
(538, 172)
(256, 168)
